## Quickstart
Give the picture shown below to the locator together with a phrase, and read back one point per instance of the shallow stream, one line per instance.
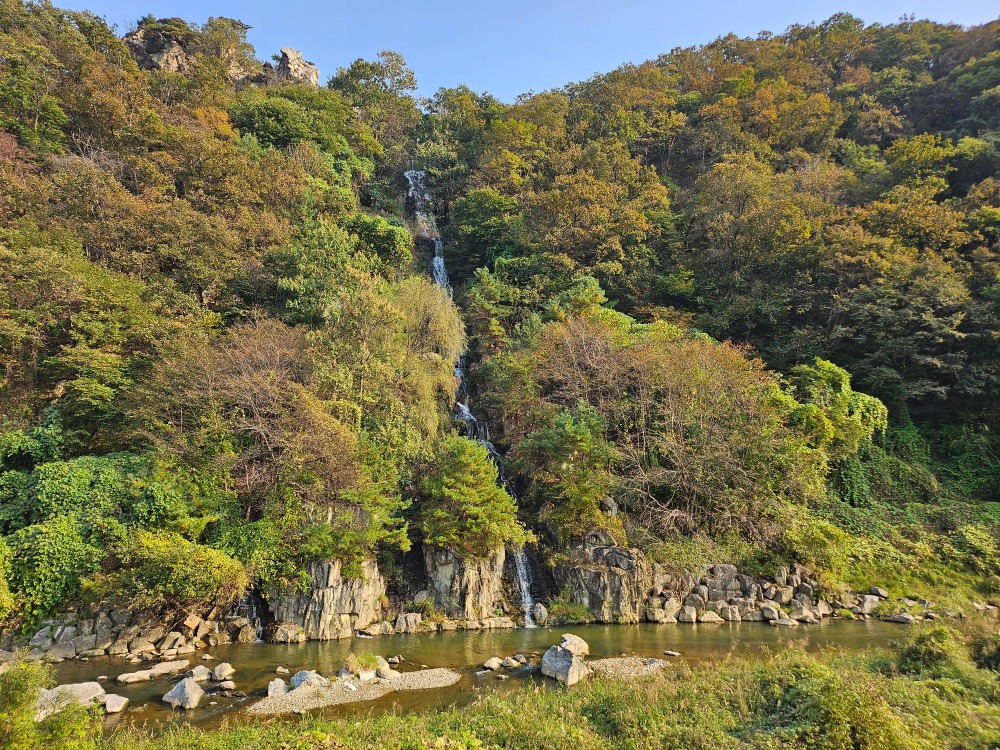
(464, 651)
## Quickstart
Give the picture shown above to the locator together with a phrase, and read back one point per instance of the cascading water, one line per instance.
(247, 607)
(475, 429)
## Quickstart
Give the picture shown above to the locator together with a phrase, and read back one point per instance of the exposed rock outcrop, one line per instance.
(611, 581)
(465, 589)
(293, 68)
(159, 48)
(333, 607)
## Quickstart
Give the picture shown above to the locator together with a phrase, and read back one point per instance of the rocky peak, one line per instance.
(293, 68)
(160, 45)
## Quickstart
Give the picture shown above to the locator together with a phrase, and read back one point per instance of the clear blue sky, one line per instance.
(507, 47)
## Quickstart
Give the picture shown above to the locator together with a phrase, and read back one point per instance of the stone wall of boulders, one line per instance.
(96, 630)
(611, 581)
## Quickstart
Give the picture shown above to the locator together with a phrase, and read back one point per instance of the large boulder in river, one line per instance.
(464, 589)
(51, 701)
(611, 581)
(574, 644)
(333, 607)
(563, 665)
(186, 694)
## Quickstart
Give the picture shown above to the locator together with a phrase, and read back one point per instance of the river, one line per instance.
(464, 651)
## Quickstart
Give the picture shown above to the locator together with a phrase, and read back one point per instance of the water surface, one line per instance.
(464, 651)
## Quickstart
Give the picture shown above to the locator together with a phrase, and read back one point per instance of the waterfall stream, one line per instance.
(475, 429)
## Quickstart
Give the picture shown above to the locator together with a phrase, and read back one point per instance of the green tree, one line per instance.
(463, 508)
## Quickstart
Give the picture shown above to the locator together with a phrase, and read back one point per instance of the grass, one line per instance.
(358, 663)
(929, 694)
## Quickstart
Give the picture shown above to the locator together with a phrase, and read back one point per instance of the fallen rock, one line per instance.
(186, 694)
(879, 592)
(308, 678)
(687, 614)
(158, 670)
(200, 673)
(51, 701)
(574, 644)
(709, 617)
(904, 618)
(563, 665)
(281, 670)
(115, 704)
(223, 672)
(494, 663)
(276, 686)
(510, 663)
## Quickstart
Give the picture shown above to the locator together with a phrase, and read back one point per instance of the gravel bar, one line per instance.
(307, 699)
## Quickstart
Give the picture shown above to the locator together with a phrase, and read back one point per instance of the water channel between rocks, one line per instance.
(464, 651)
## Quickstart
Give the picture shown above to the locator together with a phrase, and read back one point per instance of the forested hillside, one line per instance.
(741, 302)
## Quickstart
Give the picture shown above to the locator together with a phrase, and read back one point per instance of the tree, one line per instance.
(462, 506)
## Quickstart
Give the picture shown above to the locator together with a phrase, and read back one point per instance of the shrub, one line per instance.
(6, 597)
(932, 651)
(358, 663)
(166, 569)
(47, 562)
(70, 728)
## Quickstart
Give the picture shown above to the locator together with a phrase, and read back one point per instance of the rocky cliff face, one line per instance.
(465, 589)
(293, 68)
(333, 607)
(611, 581)
(157, 50)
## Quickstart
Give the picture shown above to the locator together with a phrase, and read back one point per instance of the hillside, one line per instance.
(739, 304)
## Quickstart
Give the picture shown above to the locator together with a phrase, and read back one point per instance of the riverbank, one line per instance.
(928, 692)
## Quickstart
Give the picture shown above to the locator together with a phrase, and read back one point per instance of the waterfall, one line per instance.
(247, 607)
(426, 227)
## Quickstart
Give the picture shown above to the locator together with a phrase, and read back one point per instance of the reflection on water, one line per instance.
(466, 651)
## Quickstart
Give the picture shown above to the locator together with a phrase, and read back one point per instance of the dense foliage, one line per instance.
(741, 298)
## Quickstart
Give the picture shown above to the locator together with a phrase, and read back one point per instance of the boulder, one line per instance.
(200, 673)
(62, 650)
(574, 644)
(730, 613)
(493, 664)
(223, 671)
(540, 613)
(695, 600)
(158, 670)
(115, 704)
(408, 623)
(186, 694)
(510, 663)
(866, 604)
(709, 617)
(879, 592)
(51, 701)
(904, 618)
(308, 678)
(276, 687)
(770, 613)
(563, 665)
(687, 614)
(332, 607)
